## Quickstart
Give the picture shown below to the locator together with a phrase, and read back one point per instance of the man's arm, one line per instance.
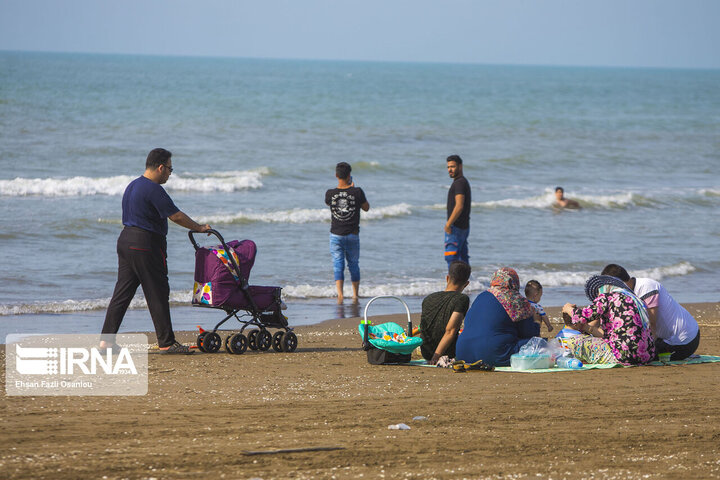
(183, 220)
(652, 302)
(365, 205)
(459, 204)
(652, 316)
(451, 331)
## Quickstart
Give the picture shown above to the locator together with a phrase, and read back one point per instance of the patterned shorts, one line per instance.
(589, 349)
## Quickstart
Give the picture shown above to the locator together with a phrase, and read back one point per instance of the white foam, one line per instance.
(412, 287)
(88, 186)
(541, 201)
(304, 215)
(618, 200)
(397, 210)
(546, 200)
(70, 306)
(658, 273)
(555, 279)
(709, 192)
(366, 165)
(570, 278)
(64, 187)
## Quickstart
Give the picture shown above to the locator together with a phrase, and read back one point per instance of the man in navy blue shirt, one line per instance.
(142, 252)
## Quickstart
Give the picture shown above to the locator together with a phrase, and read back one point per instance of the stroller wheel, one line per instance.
(227, 344)
(277, 341)
(252, 339)
(237, 344)
(264, 340)
(289, 342)
(212, 342)
(200, 339)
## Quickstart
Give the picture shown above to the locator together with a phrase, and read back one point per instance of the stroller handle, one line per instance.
(366, 335)
(211, 231)
(227, 249)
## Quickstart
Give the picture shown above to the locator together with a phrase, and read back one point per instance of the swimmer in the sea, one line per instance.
(562, 202)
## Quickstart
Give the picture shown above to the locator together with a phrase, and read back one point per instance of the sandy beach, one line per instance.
(204, 412)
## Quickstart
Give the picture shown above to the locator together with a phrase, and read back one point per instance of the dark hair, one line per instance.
(157, 157)
(459, 272)
(559, 189)
(532, 287)
(454, 158)
(616, 271)
(342, 170)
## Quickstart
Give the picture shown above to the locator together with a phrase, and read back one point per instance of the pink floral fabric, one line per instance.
(629, 340)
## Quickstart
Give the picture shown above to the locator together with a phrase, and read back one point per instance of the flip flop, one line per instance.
(459, 366)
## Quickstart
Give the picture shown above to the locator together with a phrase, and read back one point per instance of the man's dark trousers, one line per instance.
(142, 261)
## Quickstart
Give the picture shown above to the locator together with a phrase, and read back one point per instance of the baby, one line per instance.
(533, 292)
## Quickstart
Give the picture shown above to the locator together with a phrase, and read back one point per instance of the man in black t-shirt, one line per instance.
(443, 314)
(345, 203)
(457, 227)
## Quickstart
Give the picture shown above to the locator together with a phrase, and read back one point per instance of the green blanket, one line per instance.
(593, 366)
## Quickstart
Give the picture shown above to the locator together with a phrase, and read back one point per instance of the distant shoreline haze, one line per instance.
(367, 61)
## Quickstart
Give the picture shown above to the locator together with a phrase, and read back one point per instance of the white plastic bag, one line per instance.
(556, 350)
(535, 346)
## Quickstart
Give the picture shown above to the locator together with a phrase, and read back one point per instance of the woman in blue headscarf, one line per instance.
(616, 324)
(499, 322)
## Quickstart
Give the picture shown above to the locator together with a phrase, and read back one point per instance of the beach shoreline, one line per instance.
(204, 411)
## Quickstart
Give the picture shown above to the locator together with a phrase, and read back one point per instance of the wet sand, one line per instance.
(204, 411)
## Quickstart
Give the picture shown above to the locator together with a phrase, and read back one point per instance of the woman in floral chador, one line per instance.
(617, 322)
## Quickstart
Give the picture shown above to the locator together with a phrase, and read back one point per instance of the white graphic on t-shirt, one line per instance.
(342, 206)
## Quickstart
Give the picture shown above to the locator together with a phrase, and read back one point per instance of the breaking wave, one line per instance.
(88, 186)
(546, 200)
(403, 288)
(73, 306)
(367, 166)
(569, 278)
(620, 200)
(304, 215)
(410, 288)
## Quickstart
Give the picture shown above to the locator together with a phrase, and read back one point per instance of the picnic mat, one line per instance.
(688, 361)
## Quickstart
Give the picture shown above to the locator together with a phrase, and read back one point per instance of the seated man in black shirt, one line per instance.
(443, 314)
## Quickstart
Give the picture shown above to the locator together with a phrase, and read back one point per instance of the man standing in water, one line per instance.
(142, 252)
(457, 227)
(345, 203)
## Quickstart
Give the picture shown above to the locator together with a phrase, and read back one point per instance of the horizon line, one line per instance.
(419, 62)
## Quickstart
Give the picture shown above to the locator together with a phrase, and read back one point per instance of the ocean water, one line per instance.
(254, 146)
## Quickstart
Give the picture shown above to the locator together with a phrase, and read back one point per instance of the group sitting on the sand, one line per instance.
(629, 321)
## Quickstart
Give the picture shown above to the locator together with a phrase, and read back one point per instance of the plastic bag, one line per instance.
(556, 349)
(533, 355)
(535, 346)
(540, 346)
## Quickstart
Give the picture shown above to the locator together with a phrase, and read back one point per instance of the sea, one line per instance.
(255, 143)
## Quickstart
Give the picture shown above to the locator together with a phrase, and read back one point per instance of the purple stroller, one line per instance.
(221, 281)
